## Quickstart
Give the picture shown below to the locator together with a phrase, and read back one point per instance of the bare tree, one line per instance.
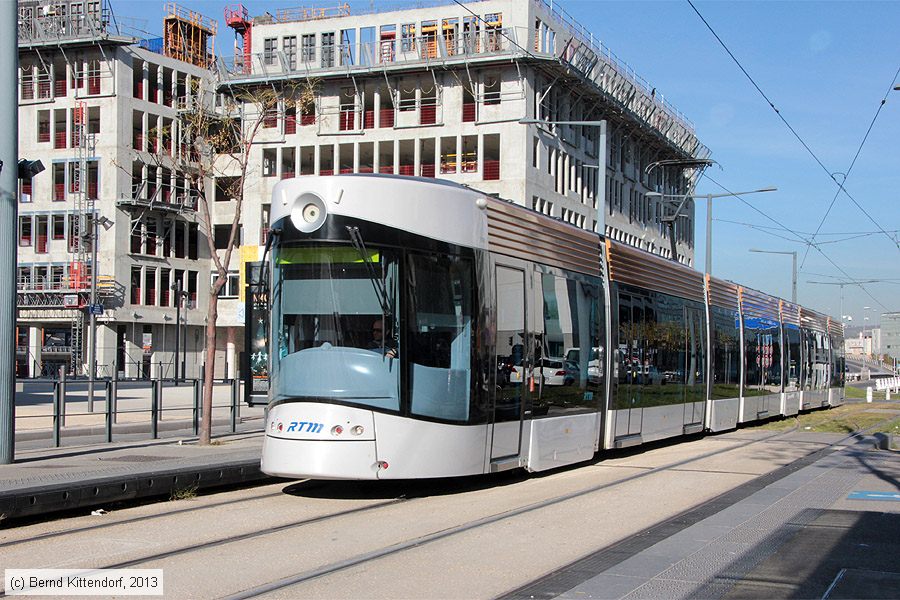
(215, 143)
(221, 141)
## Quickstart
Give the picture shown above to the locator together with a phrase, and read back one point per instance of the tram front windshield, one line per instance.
(335, 325)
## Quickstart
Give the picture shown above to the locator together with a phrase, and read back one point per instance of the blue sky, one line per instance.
(826, 66)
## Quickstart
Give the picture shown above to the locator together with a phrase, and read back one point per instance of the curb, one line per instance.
(46, 499)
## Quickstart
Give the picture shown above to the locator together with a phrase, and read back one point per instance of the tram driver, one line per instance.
(380, 343)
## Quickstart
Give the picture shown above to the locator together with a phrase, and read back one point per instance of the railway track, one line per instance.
(361, 505)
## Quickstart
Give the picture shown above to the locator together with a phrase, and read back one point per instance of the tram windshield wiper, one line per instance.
(377, 282)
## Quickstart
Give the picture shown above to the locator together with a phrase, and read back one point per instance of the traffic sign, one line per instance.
(95, 309)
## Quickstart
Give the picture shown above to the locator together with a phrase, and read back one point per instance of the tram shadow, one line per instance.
(402, 488)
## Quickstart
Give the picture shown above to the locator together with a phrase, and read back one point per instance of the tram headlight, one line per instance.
(357, 430)
(309, 212)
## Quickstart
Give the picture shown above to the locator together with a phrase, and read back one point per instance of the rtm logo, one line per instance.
(310, 427)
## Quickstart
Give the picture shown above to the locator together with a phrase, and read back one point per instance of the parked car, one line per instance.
(553, 371)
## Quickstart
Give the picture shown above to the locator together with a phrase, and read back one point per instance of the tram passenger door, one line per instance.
(513, 363)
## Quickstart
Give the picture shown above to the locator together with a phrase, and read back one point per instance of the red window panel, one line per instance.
(59, 88)
(263, 236)
(139, 88)
(427, 170)
(59, 192)
(164, 297)
(41, 246)
(93, 85)
(387, 117)
(366, 170)
(43, 89)
(346, 170)
(270, 119)
(406, 170)
(135, 295)
(27, 90)
(388, 169)
(428, 116)
(92, 190)
(468, 112)
(290, 124)
(369, 119)
(59, 139)
(491, 170)
(308, 119)
(138, 141)
(151, 297)
(44, 132)
(287, 174)
(324, 172)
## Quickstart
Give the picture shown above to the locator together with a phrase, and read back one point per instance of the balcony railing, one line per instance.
(363, 56)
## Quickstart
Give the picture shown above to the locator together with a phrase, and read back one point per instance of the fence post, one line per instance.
(196, 415)
(154, 408)
(62, 396)
(57, 411)
(110, 395)
(235, 393)
(115, 400)
(869, 394)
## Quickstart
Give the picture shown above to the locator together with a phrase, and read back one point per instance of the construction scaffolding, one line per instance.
(189, 36)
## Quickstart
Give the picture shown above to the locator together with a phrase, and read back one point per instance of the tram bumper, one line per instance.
(319, 441)
(319, 459)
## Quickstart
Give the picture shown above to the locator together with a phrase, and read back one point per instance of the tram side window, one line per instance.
(660, 350)
(439, 335)
(837, 362)
(793, 358)
(762, 356)
(726, 342)
(569, 372)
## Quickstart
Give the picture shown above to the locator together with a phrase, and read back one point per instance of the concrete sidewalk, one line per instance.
(44, 481)
(827, 526)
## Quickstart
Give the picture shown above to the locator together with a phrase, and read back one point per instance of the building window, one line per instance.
(232, 286)
(269, 46)
(289, 46)
(25, 230)
(328, 49)
(408, 37)
(308, 48)
(58, 227)
(269, 167)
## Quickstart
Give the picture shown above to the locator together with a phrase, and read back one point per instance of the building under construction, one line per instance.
(505, 96)
(108, 227)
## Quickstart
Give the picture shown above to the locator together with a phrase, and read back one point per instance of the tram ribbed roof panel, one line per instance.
(521, 233)
(813, 320)
(835, 328)
(640, 268)
(759, 304)
(790, 313)
(723, 294)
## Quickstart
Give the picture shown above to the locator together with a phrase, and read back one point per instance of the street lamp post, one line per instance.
(92, 349)
(600, 192)
(793, 270)
(709, 199)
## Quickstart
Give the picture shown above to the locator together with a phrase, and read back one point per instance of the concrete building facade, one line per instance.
(511, 97)
(100, 112)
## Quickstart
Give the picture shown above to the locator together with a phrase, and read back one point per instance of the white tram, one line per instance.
(422, 329)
